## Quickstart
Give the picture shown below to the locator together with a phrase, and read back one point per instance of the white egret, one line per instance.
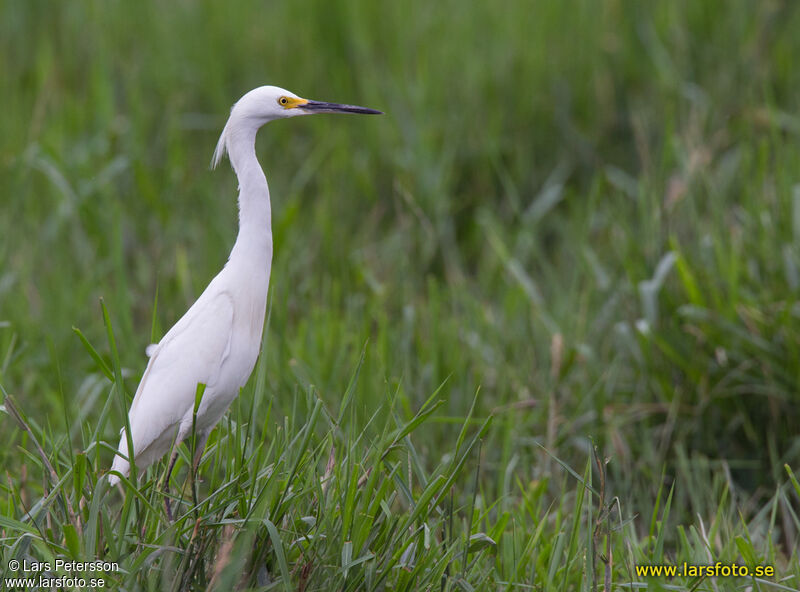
(217, 341)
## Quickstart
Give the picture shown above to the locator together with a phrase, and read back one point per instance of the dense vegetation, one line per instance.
(535, 326)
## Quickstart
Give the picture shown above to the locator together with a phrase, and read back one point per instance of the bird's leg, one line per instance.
(199, 446)
(166, 484)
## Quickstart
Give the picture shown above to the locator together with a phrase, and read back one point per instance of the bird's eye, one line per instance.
(283, 101)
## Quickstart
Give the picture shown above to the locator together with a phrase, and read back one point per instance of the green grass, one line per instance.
(534, 327)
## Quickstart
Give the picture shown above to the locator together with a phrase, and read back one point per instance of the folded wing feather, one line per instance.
(192, 352)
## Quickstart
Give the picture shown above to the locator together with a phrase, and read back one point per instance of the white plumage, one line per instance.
(217, 341)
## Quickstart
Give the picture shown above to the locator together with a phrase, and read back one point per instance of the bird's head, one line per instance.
(266, 103)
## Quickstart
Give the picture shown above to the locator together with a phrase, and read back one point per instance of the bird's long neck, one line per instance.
(254, 242)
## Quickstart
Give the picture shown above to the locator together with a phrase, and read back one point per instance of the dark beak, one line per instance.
(320, 107)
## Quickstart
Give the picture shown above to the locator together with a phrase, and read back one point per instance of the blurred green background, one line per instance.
(588, 213)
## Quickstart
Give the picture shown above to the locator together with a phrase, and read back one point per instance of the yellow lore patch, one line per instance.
(291, 102)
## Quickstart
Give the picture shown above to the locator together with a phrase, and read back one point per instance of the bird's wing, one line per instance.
(192, 352)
